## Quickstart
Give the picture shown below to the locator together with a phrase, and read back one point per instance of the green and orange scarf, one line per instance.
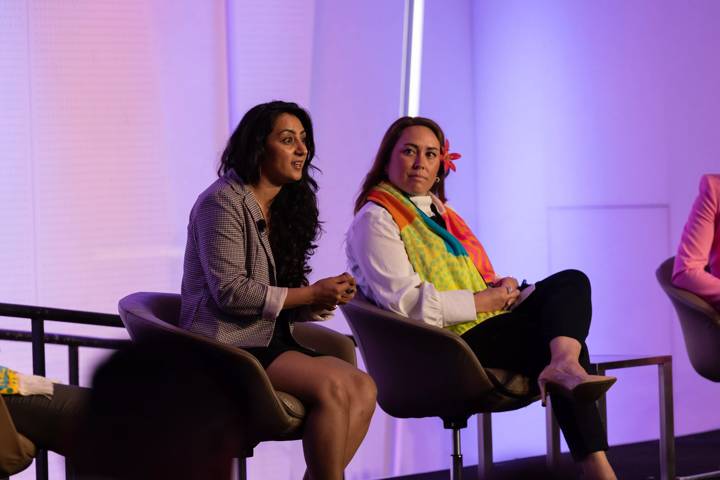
(16, 383)
(450, 258)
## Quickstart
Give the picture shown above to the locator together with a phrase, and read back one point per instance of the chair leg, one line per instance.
(41, 465)
(69, 471)
(242, 468)
(485, 450)
(667, 422)
(552, 438)
(457, 461)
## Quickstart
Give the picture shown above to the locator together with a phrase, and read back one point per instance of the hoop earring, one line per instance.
(437, 179)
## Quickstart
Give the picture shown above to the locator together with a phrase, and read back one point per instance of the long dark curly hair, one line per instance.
(294, 224)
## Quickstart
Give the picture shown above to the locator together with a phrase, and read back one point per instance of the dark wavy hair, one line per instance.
(294, 224)
(378, 171)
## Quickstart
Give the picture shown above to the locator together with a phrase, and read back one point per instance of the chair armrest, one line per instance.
(696, 303)
(664, 277)
(325, 340)
(414, 364)
(700, 324)
(268, 417)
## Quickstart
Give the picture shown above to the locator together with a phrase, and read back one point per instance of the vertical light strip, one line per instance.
(418, 14)
(230, 52)
(412, 57)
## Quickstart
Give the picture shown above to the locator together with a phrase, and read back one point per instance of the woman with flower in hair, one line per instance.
(410, 253)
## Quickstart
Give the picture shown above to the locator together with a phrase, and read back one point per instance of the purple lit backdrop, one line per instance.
(584, 128)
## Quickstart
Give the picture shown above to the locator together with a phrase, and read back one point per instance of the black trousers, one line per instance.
(519, 341)
(48, 422)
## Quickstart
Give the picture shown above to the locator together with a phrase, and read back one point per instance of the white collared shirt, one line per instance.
(381, 267)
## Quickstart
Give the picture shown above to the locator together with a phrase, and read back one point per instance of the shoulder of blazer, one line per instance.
(711, 180)
(228, 188)
(710, 188)
(231, 182)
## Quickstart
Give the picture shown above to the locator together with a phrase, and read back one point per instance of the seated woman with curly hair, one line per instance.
(250, 237)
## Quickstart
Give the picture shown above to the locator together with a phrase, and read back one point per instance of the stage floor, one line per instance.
(695, 454)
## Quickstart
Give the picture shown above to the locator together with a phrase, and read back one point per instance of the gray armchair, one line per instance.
(275, 415)
(425, 371)
(700, 324)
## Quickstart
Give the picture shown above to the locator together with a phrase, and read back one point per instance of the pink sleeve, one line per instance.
(695, 246)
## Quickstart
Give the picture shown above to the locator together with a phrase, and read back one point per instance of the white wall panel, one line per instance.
(95, 133)
(112, 116)
(17, 283)
(270, 52)
(619, 248)
(17, 237)
(599, 105)
(447, 96)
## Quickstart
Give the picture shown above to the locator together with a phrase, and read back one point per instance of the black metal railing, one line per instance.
(37, 336)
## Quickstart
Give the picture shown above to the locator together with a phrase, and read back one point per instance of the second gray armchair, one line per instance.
(425, 371)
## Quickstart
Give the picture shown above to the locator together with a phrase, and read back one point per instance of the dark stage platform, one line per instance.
(695, 454)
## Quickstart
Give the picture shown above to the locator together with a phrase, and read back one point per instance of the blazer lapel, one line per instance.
(251, 204)
(262, 233)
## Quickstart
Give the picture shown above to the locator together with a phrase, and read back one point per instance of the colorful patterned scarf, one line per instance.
(450, 258)
(15, 383)
(9, 381)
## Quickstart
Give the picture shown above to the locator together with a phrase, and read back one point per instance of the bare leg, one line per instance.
(362, 406)
(565, 351)
(339, 413)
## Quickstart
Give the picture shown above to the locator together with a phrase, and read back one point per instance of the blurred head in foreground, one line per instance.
(160, 410)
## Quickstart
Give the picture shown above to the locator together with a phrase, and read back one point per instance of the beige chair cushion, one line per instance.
(293, 406)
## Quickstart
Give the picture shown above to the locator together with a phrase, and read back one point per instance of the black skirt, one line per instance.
(282, 341)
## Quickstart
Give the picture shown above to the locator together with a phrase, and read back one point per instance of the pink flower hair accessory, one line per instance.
(448, 158)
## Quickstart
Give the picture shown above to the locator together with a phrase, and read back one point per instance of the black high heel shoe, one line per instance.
(580, 388)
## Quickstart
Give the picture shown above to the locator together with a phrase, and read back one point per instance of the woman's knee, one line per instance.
(364, 389)
(572, 279)
(578, 277)
(334, 391)
(363, 397)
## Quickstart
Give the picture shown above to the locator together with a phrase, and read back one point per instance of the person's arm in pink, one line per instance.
(697, 244)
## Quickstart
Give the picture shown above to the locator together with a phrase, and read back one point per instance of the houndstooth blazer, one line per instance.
(229, 271)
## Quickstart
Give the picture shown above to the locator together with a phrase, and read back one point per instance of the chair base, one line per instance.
(457, 461)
